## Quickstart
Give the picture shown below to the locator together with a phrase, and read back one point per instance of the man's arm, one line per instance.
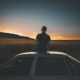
(37, 41)
(49, 39)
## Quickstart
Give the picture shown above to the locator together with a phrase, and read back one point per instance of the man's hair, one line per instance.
(44, 28)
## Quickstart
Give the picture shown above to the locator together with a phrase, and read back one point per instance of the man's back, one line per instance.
(43, 40)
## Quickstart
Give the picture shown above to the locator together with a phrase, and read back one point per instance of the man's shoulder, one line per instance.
(39, 34)
(48, 35)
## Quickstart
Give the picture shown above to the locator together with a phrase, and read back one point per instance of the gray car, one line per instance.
(33, 66)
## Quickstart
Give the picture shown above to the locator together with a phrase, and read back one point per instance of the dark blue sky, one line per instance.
(62, 17)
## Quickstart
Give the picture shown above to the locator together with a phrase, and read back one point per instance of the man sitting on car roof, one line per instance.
(42, 40)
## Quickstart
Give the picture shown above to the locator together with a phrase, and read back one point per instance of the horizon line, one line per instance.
(35, 38)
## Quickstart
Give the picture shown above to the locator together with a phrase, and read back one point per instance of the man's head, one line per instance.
(44, 29)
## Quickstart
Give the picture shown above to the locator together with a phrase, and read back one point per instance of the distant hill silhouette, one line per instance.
(14, 36)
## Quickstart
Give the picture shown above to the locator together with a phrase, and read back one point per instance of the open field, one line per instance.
(11, 47)
(14, 41)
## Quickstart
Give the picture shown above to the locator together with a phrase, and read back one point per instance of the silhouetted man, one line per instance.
(42, 40)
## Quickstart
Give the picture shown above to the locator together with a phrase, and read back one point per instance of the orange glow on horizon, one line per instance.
(64, 37)
(33, 34)
(53, 37)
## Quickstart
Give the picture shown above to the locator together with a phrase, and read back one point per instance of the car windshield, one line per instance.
(51, 66)
(18, 66)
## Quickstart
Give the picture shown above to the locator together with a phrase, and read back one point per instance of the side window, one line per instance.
(51, 66)
(18, 66)
(73, 65)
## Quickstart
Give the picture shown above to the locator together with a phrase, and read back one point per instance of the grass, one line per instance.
(11, 47)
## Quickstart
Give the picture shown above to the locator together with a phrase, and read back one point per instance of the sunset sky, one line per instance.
(26, 17)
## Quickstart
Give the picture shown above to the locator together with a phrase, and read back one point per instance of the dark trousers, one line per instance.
(42, 50)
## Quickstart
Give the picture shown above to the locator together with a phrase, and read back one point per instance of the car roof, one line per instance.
(49, 53)
(42, 54)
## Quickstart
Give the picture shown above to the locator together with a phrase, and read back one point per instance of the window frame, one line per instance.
(15, 58)
(61, 56)
(72, 60)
